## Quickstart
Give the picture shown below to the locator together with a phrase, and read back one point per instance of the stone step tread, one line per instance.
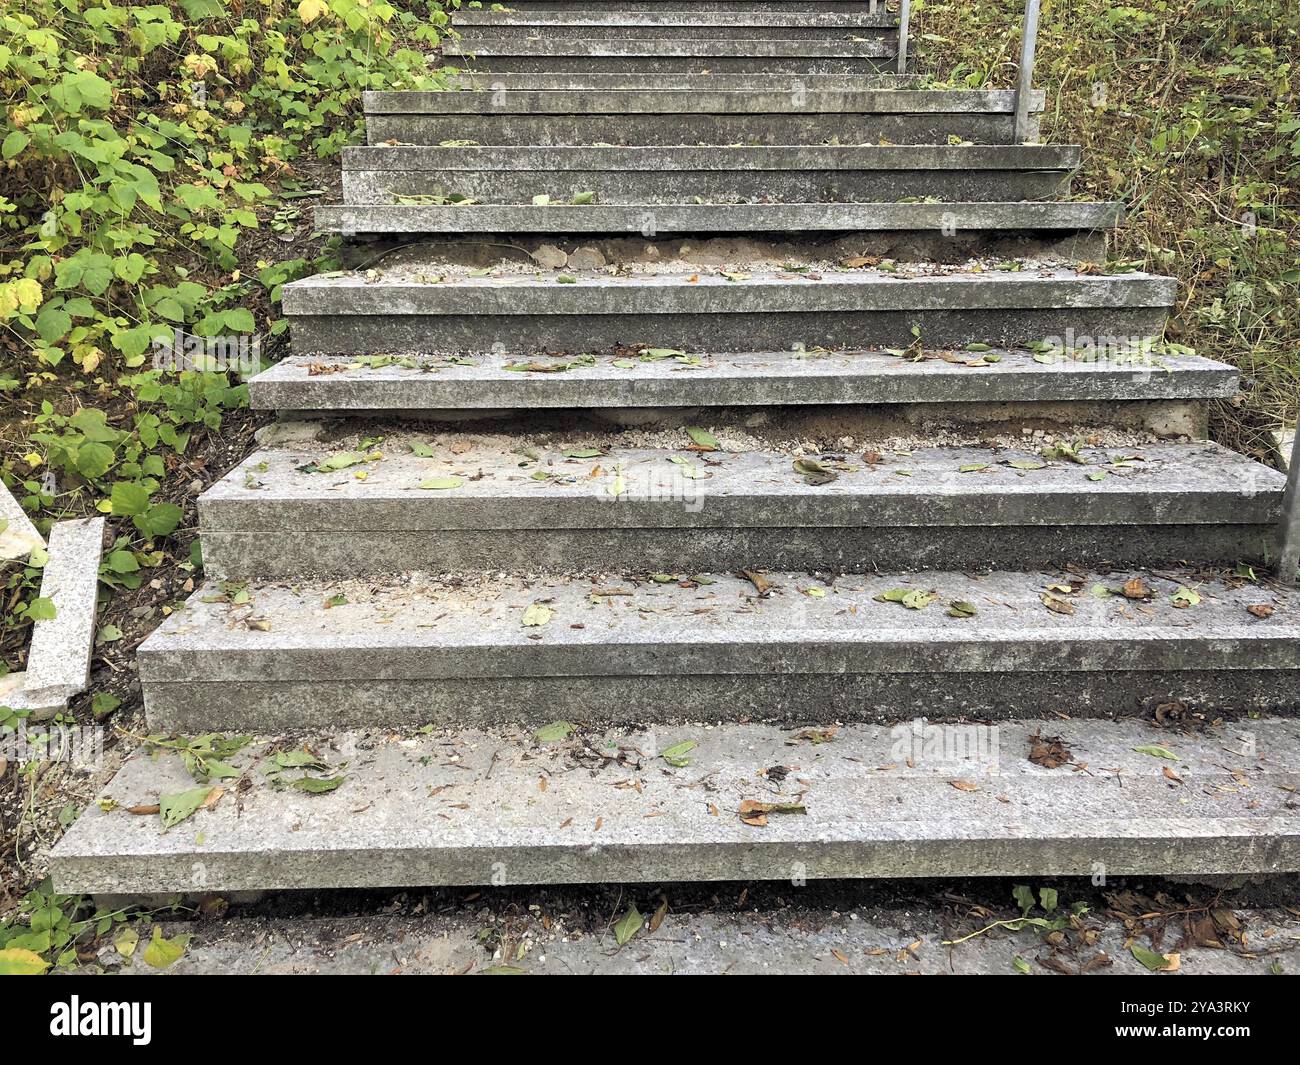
(487, 47)
(591, 80)
(705, 218)
(721, 157)
(668, 100)
(494, 486)
(614, 626)
(340, 384)
(411, 290)
(795, 19)
(479, 807)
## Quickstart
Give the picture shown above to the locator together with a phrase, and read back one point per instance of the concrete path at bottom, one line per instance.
(835, 928)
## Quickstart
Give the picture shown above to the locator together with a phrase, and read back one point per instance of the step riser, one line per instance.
(244, 705)
(965, 221)
(381, 334)
(758, 98)
(357, 551)
(523, 34)
(621, 7)
(712, 82)
(718, 186)
(689, 129)
(486, 66)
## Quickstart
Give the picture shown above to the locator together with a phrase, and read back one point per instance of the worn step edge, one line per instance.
(467, 808)
(699, 101)
(340, 385)
(717, 218)
(548, 159)
(419, 628)
(272, 492)
(662, 294)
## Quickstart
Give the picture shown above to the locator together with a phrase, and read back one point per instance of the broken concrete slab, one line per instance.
(18, 536)
(58, 662)
(466, 808)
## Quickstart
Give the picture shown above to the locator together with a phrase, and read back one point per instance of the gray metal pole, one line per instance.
(904, 15)
(1288, 565)
(1024, 89)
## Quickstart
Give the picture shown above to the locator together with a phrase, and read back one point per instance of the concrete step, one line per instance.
(407, 308)
(499, 807)
(551, 55)
(972, 219)
(620, 7)
(599, 503)
(599, 24)
(628, 80)
(306, 654)
(811, 174)
(558, 117)
(338, 386)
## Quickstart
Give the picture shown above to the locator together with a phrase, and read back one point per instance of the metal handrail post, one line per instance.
(904, 15)
(1288, 562)
(1025, 86)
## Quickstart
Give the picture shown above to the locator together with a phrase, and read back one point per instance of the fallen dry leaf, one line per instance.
(753, 812)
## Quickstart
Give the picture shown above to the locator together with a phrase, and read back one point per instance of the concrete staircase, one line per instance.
(759, 427)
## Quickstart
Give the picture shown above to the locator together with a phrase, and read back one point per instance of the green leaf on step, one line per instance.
(655, 354)
(335, 600)
(316, 785)
(1185, 597)
(1020, 965)
(689, 469)
(541, 201)
(814, 472)
(974, 467)
(162, 952)
(440, 483)
(676, 754)
(1156, 751)
(1149, 958)
(630, 924)
(1027, 464)
(422, 449)
(554, 732)
(584, 453)
(961, 609)
(624, 364)
(537, 615)
(702, 438)
(181, 806)
(566, 279)
(912, 598)
(342, 460)
(582, 198)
